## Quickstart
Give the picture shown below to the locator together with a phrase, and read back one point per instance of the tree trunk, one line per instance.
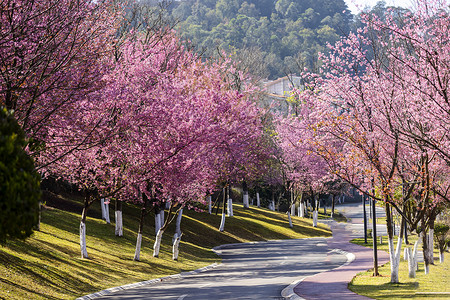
(394, 254)
(209, 204)
(38, 226)
(230, 207)
(175, 247)
(102, 205)
(178, 224)
(426, 252)
(119, 220)
(137, 253)
(157, 219)
(431, 243)
(245, 194)
(107, 219)
(411, 263)
(332, 205)
(83, 248)
(290, 220)
(258, 202)
(157, 244)
(222, 222)
(292, 204)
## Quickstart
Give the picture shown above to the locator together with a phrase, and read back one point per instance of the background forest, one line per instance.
(278, 37)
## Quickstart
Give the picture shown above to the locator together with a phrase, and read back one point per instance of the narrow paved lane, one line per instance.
(249, 271)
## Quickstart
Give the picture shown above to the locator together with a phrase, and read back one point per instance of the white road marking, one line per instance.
(182, 297)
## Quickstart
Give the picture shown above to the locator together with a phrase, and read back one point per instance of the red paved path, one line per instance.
(333, 284)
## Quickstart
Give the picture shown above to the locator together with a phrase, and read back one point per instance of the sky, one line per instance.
(352, 4)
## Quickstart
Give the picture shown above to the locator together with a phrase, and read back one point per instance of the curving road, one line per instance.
(248, 271)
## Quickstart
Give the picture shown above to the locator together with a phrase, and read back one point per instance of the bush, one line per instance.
(19, 182)
(440, 235)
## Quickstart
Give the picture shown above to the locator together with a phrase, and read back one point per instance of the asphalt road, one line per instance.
(248, 271)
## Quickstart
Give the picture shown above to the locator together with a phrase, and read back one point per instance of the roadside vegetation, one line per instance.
(430, 286)
(47, 265)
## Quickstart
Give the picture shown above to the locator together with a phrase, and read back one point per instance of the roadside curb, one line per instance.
(147, 282)
(288, 292)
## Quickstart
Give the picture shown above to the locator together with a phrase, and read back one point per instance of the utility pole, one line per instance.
(374, 236)
(365, 218)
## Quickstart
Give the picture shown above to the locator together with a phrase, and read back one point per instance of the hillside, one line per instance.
(48, 265)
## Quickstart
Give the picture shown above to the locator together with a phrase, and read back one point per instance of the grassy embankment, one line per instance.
(435, 285)
(48, 264)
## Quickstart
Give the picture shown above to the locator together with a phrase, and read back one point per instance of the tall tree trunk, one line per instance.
(137, 253)
(209, 204)
(106, 204)
(245, 194)
(301, 206)
(158, 238)
(290, 220)
(394, 254)
(157, 219)
(38, 226)
(315, 211)
(258, 202)
(332, 205)
(118, 217)
(222, 221)
(175, 247)
(87, 202)
(102, 206)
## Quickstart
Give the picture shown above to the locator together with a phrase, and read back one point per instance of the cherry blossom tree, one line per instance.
(372, 122)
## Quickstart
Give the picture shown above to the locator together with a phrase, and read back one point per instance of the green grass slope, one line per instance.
(48, 265)
(434, 285)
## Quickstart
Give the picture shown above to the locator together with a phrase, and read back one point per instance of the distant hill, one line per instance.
(283, 36)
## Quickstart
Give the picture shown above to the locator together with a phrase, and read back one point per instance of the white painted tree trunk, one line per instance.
(431, 244)
(293, 209)
(394, 256)
(315, 217)
(273, 205)
(102, 205)
(157, 222)
(230, 207)
(175, 247)
(245, 200)
(119, 223)
(415, 252)
(84, 253)
(258, 202)
(411, 262)
(222, 223)
(106, 204)
(157, 244)
(301, 211)
(137, 253)
(441, 257)
(290, 220)
(178, 223)
(161, 216)
(209, 205)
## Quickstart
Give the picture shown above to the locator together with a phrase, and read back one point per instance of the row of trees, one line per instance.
(124, 111)
(378, 118)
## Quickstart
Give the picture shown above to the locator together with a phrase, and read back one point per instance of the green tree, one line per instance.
(19, 182)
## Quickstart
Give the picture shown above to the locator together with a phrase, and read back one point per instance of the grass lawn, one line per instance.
(422, 287)
(48, 265)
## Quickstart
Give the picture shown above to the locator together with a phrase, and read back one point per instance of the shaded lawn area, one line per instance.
(48, 265)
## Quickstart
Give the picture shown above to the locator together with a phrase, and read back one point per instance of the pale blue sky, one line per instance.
(361, 3)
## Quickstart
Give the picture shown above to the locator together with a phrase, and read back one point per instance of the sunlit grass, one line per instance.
(422, 287)
(48, 264)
